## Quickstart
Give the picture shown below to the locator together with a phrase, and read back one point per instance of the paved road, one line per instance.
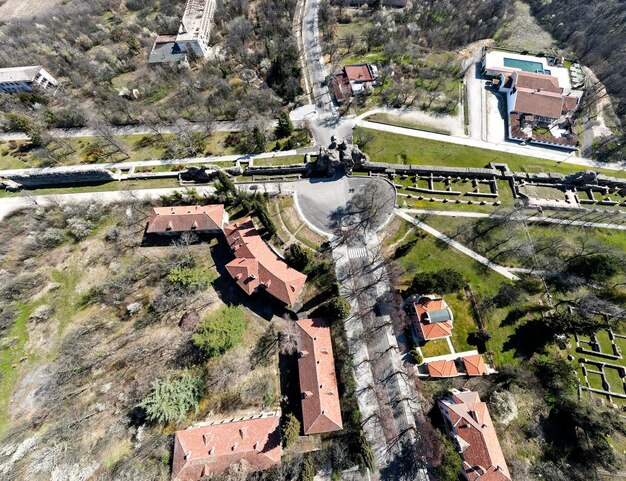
(475, 99)
(9, 205)
(460, 247)
(157, 162)
(507, 147)
(219, 126)
(319, 199)
(386, 395)
(533, 219)
(325, 120)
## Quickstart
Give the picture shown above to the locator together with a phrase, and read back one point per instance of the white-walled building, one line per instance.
(25, 79)
(193, 34)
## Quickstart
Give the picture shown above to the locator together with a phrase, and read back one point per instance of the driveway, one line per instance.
(317, 199)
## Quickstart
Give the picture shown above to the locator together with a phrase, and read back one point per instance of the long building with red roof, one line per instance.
(469, 424)
(321, 411)
(203, 452)
(203, 219)
(256, 266)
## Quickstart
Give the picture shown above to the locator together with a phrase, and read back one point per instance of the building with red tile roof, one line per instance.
(207, 219)
(474, 365)
(252, 443)
(469, 424)
(256, 266)
(433, 318)
(352, 80)
(442, 368)
(321, 411)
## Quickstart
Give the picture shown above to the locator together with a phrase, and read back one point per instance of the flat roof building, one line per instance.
(25, 79)
(193, 34)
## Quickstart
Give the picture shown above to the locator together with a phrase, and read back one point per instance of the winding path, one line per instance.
(460, 247)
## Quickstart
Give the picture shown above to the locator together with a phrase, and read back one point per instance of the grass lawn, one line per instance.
(287, 160)
(436, 347)
(605, 342)
(612, 376)
(595, 380)
(290, 225)
(463, 324)
(421, 252)
(401, 149)
(11, 355)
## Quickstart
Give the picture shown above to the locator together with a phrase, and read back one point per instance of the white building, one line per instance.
(25, 79)
(193, 34)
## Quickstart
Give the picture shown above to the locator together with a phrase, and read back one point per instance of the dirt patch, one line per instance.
(24, 9)
(522, 32)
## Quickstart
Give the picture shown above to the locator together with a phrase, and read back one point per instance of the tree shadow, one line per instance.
(404, 249)
(529, 338)
(290, 385)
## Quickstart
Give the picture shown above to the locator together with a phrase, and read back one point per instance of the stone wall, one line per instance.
(58, 176)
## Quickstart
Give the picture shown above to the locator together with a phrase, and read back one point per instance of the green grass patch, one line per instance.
(595, 380)
(10, 359)
(402, 149)
(285, 160)
(436, 347)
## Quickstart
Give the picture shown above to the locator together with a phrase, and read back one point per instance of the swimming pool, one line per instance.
(525, 65)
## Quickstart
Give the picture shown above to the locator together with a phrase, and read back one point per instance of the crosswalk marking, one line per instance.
(356, 252)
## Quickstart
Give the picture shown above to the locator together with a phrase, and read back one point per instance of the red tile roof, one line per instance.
(432, 330)
(474, 432)
(536, 81)
(474, 365)
(436, 330)
(256, 265)
(442, 369)
(538, 102)
(210, 450)
(321, 411)
(358, 73)
(341, 87)
(186, 218)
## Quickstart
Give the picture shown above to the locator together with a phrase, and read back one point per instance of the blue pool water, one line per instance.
(525, 65)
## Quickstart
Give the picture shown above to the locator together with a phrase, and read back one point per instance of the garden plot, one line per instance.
(601, 365)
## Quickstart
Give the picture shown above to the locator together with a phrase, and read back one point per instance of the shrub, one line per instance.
(191, 278)
(298, 257)
(308, 470)
(290, 430)
(416, 356)
(284, 127)
(338, 308)
(450, 466)
(52, 237)
(220, 330)
(170, 399)
(79, 228)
